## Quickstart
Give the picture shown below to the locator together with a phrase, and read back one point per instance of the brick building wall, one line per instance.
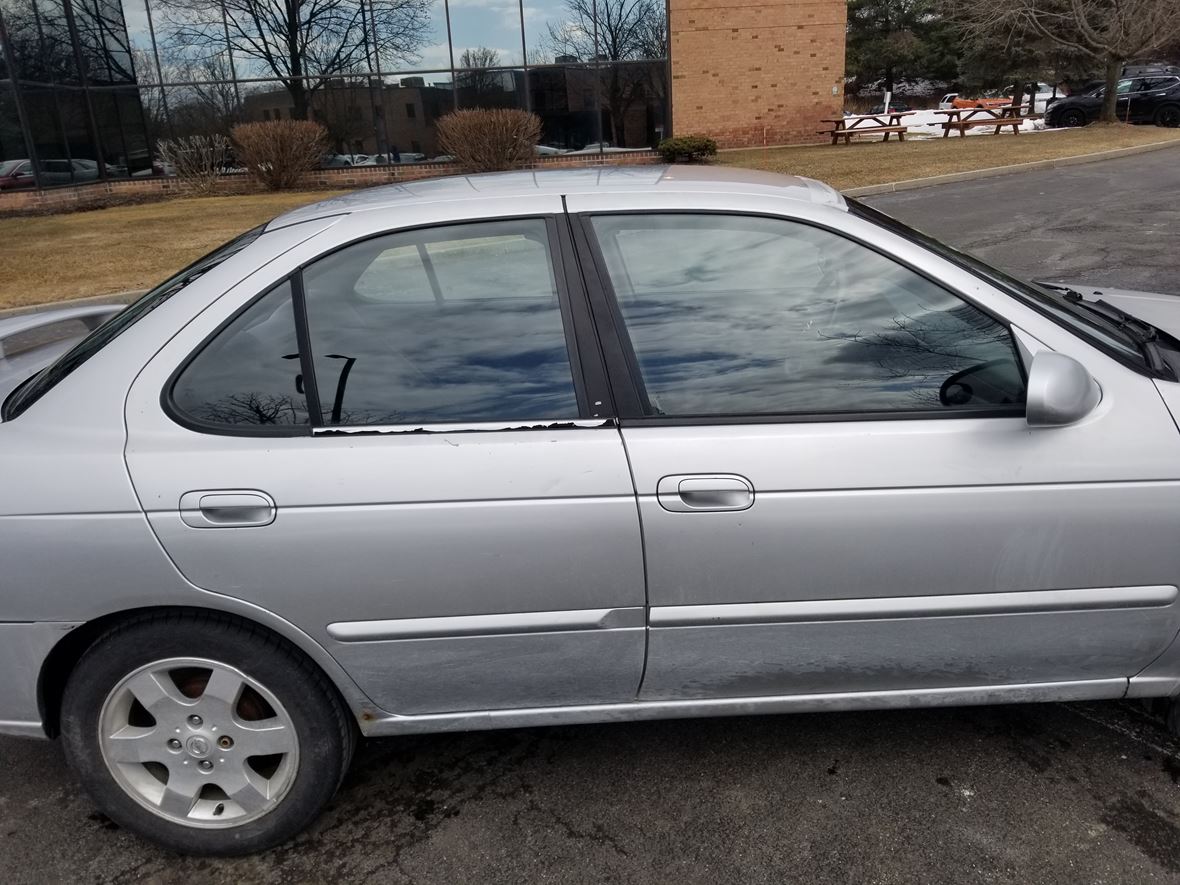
(756, 72)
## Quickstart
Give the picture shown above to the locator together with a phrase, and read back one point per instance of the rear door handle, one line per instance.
(231, 508)
(705, 492)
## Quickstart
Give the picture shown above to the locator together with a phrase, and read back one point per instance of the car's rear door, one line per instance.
(1155, 92)
(837, 485)
(396, 442)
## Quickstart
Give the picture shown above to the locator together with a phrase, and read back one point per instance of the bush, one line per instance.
(490, 140)
(197, 159)
(687, 149)
(278, 153)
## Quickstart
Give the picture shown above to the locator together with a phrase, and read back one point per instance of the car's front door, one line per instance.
(837, 485)
(399, 447)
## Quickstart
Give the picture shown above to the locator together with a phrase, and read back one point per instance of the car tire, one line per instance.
(161, 714)
(1071, 118)
(1168, 115)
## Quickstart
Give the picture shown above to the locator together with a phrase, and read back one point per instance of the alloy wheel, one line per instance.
(198, 742)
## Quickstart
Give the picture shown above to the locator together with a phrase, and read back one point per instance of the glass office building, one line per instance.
(87, 87)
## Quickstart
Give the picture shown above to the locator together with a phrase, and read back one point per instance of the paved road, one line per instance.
(1115, 223)
(1045, 794)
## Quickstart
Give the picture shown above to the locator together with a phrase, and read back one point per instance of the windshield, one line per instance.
(1103, 332)
(38, 385)
(8, 166)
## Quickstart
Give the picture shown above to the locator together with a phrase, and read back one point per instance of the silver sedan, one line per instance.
(582, 446)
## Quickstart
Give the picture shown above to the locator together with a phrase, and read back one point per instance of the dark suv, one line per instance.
(1149, 99)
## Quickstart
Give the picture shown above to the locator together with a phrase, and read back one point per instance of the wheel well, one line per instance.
(64, 656)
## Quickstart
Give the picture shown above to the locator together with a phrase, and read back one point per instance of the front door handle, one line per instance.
(231, 508)
(705, 492)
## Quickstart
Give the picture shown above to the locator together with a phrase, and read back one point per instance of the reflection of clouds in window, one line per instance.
(745, 315)
(449, 325)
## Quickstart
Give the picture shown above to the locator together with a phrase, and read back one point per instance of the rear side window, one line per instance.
(737, 315)
(454, 324)
(249, 375)
(450, 324)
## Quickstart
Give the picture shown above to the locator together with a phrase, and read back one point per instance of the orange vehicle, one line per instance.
(954, 100)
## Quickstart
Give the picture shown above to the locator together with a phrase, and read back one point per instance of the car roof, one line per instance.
(619, 179)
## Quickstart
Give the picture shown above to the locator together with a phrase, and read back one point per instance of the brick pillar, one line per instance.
(755, 73)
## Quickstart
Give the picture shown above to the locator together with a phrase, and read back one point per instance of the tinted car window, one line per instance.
(452, 324)
(733, 315)
(248, 374)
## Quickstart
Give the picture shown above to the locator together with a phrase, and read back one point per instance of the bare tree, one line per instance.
(480, 86)
(339, 108)
(302, 42)
(616, 31)
(1109, 31)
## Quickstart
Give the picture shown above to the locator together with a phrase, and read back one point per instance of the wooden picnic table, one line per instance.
(888, 123)
(963, 119)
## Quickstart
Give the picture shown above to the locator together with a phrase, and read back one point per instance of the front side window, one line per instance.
(450, 324)
(737, 315)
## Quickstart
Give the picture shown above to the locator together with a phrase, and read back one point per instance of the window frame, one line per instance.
(589, 375)
(623, 366)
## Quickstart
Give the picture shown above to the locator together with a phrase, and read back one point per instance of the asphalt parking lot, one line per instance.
(1114, 223)
(1064, 793)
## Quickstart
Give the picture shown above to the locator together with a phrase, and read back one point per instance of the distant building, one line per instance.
(97, 83)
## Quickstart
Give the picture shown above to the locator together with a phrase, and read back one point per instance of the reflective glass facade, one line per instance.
(88, 86)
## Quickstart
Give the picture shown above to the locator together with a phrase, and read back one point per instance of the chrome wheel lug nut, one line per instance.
(206, 765)
(173, 744)
(225, 742)
(195, 721)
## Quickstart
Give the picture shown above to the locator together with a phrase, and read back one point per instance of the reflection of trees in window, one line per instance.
(338, 107)
(252, 408)
(301, 41)
(480, 86)
(617, 31)
(925, 349)
(103, 39)
(40, 40)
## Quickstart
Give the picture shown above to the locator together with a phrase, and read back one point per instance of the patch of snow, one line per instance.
(929, 124)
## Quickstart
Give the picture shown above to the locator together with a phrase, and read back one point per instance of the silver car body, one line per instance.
(477, 576)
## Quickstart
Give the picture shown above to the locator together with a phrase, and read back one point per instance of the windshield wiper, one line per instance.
(1142, 334)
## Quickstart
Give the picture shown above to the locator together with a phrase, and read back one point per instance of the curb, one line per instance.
(113, 298)
(971, 175)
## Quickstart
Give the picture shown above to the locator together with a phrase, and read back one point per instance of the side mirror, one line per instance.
(1060, 391)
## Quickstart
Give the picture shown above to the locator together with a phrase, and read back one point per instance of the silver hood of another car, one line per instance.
(31, 341)
(1162, 311)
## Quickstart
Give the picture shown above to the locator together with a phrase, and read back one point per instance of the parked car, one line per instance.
(158, 168)
(1146, 69)
(16, 174)
(20, 173)
(1154, 99)
(1045, 95)
(954, 100)
(899, 106)
(593, 445)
